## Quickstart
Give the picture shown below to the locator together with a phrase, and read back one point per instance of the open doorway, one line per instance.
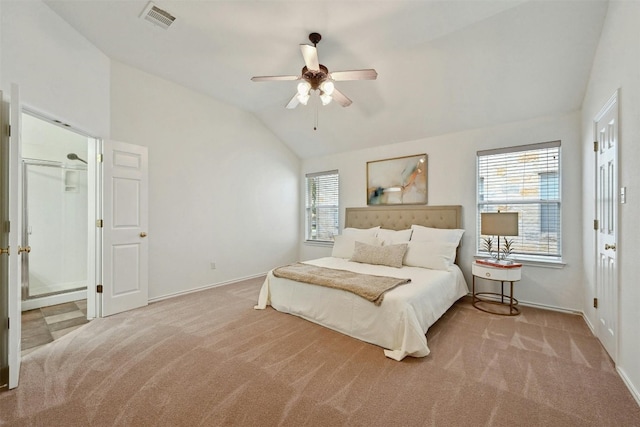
(55, 214)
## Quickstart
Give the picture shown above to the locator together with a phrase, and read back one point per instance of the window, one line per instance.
(524, 179)
(549, 212)
(322, 208)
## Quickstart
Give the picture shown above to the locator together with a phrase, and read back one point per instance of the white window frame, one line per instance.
(521, 198)
(325, 205)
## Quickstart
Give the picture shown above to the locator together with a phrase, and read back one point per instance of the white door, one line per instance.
(4, 242)
(15, 220)
(606, 129)
(125, 226)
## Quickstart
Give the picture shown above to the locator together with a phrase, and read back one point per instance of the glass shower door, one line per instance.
(55, 227)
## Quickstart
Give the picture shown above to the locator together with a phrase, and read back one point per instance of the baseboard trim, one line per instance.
(551, 307)
(629, 384)
(204, 288)
(589, 324)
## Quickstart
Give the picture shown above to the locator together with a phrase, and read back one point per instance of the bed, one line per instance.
(400, 322)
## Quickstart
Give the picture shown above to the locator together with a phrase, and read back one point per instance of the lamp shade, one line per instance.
(499, 224)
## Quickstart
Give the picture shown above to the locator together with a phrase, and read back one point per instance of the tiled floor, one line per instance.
(43, 325)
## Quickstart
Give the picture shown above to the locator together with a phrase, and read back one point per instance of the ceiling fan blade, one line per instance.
(273, 78)
(368, 74)
(340, 98)
(293, 103)
(310, 55)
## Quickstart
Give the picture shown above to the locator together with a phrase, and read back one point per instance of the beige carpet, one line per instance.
(209, 359)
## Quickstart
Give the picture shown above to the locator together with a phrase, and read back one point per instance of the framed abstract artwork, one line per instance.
(397, 181)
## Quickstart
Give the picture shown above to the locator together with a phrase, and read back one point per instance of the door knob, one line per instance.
(608, 246)
(4, 250)
(143, 234)
(26, 249)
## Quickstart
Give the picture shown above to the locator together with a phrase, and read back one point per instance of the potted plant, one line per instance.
(507, 248)
(488, 247)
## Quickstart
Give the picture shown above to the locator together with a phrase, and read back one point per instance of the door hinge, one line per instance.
(595, 303)
(9, 130)
(595, 146)
(99, 223)
(99, 289)
(596, 224)
(99, 158)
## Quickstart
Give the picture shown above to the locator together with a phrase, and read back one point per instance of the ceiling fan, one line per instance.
(317, 77)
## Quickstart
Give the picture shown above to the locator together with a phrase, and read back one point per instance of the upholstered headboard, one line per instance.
(402, 217)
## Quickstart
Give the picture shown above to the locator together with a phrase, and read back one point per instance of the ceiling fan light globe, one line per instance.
(325, 98)
(303, 88)
(303, 98)
(327, 87)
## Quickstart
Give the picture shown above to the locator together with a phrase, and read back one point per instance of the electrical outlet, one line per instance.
(213, 265)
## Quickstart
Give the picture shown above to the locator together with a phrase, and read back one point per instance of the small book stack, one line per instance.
(499, 264)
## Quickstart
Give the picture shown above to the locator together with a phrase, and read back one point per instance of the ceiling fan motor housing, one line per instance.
(315, 78)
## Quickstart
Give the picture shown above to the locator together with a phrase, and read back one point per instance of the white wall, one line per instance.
(617, 66)
(60, 73)
(452, 181)
(212, 166)
(222, 187)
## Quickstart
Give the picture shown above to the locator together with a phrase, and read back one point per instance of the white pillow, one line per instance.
(343, 245)
(360, 232)
(433, 255)
(428, 234)
(392, 237)
(391, 255)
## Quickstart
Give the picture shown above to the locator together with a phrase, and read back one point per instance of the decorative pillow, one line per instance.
(343, 245)
(392, 237)
(433, 255)
(391, 255)
(428, 234)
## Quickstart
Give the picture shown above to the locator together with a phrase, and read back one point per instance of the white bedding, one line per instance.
(399, 324)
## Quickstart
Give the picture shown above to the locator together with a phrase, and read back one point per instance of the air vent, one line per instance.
(157, 16)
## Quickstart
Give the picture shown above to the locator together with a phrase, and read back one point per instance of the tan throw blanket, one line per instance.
(369, 287)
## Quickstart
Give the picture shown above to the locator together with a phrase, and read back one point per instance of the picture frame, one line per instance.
(397, 181)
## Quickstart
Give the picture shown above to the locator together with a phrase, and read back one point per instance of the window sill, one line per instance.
(323, 243)
(532, 261)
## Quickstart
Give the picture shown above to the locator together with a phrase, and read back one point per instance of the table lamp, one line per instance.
(499, 224)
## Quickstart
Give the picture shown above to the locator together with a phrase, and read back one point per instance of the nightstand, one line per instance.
(500, 273)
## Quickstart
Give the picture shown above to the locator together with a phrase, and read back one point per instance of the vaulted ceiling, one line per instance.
(443, 66)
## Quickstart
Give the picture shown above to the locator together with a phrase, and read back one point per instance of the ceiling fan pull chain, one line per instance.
(315, 126)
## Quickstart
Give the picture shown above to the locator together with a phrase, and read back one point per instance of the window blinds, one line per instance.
(322, 205)
(524, 179)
